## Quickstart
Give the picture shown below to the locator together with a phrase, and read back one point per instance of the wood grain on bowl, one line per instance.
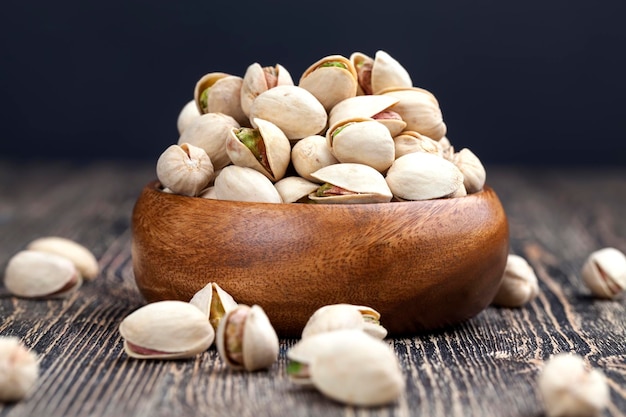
(423, 265)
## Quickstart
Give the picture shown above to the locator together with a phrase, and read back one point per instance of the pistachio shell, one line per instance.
(223, 95)
(369, 106)
(474, 174)
(330, 84)
(209, 132)
(187, 115)
(423, 176)
(410, 141)
(366, 184)
(19, 370)
(236, 183)
(292, 189)
(83, 259)
(252, 335)
(258, 79)
(35, 274)
(387, 72)
(447, 148)
(310, 154)
(420, 110)
(344, 316)
(604, 272)
(184, 169)
(519, 283)
(293, 109)
(166, 330)
(214, 302)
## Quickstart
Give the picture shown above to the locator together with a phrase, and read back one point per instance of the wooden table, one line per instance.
(486, 366)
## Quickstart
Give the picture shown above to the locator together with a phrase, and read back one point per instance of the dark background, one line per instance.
(533, 82)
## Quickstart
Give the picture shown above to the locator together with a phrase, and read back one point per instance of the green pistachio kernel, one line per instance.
(204, 100)
(254, 141)
(333, 64)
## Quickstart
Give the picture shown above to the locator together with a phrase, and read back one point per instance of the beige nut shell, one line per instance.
(83, 258)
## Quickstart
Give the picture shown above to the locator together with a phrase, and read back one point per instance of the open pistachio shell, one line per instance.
(214, 302)
(331, 80)
(184, 169)
(379, 73)
(293, 109)
(310, 154)
(368, 106)
(218, 92)
(273, 152)
(235, 183)
(83, 259)
(357, 183)
(344, 316)
(209, 132)
(166, 330)
(410, 141)
(362, 141)
(419, 109)
(604, 272)
(294, 189)
(258, 79)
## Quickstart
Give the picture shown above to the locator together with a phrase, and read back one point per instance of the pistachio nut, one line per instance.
(187, 115)
(295, 189)
(246, 339)
(379, 73)
(35, 274)
(19, 369)
(447, 148)
(474, 173)
(166, 330)
(218, 92)
(258, 79)
(235, 183)
(519, 283)
(83, 259)
(410, 141)
(420, 110)
(184, 169)
(209, 132)
(350, 183)
(214, 302)
(331, 80)
(604, 272)
(310, 154)
(369, 106)
(423, 176)
(344, 316)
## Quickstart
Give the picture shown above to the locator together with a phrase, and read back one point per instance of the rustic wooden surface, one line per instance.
(486, 366)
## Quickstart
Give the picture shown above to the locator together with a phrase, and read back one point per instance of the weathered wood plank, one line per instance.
(485, 366)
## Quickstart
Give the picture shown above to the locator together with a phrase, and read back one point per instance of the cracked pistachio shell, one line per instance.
(218, 92)
(604, 272)
(362, 141)
(331, 80)
(187, 115)
(36, 274)
(293, 109)
(519, 283)
(344, 316)
(310, 154)
(420, 110)
(474, 174)
(246, 339)
(166, 330)
(423, 176)
(237, 183)
(184, 169)
(276, 150)
(364, 184)
(258, 79)
(410, 141)
(379, 73)
(293, 189)
(19, 369)
(370, 106)
(214, 302)
(209, 132)
(84, 261)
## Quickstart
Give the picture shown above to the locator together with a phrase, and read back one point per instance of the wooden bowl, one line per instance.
(423, 265)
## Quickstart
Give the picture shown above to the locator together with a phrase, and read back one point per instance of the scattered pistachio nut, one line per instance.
(570, 388)
(83, 258)
(36, 274)
(344, 316)
(246, 339)
(184, 169)
(166, 330)
(214, 302)
(604, 272)
(519, 283)
(19, 369)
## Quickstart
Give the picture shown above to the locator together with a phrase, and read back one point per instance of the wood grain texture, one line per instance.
(486, 366)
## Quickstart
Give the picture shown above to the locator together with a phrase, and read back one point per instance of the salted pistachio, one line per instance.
(569, 387)
(19, 369)
(214, 302)
(310, 154)
(219, 92)
(348, 366)
(187, 115)
(379, 73)
(423, 176)
(293, 109)
(331, 80)
(209, 132)
(258, 79)
(83, 259)
(362, 141)
(265, 149)
(344, 316)
(184, 169)
(235, 183)
(410, 141)
(519, 283)
(246, 339)
(474, 173)
(166, 330)
(604, 272)
(36, 274)
(295, 189)
(349, 183)
(369, 106)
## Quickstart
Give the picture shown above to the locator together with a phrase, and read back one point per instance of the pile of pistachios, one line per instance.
(353, 130)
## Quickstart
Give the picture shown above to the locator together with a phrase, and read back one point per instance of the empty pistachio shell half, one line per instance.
(184, 169)
(83, 259)
(166, 330)
(35, 274)
(344, 316)
(214, 302)
(246, 339)
(350, 183)
(235, 183)
(604, 272)
(19, 369)
(295, 189)
(519, 283)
